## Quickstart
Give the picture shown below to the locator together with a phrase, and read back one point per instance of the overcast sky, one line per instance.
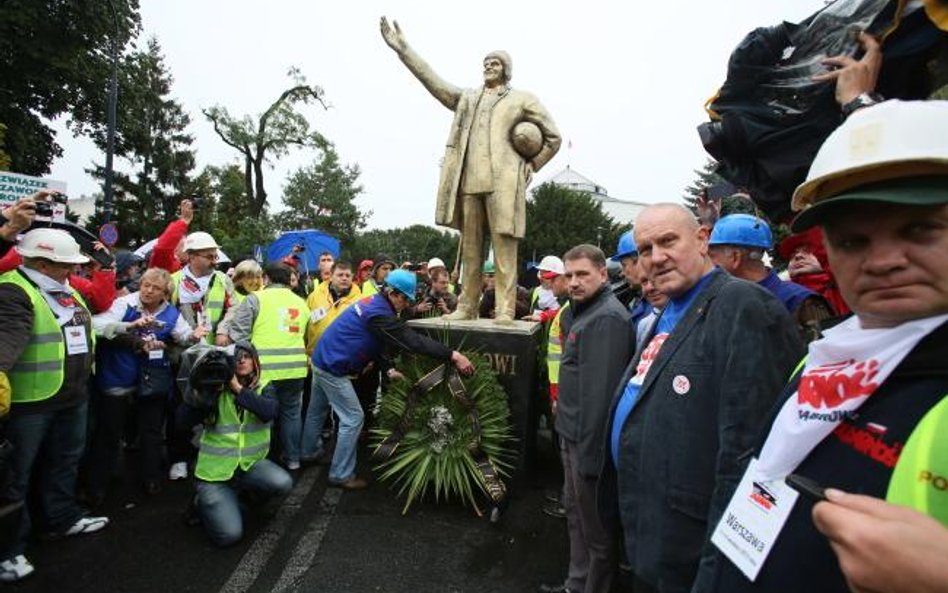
(625, 82)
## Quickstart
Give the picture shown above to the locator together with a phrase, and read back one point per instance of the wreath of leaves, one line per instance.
(435, 455)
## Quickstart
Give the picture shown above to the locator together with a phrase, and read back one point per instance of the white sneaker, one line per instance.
(87, 525)
(178, 471)
(14, 569)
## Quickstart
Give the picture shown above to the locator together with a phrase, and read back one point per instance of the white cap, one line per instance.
(53, 244)
(200, 240)
(436, 262)
(551, 263)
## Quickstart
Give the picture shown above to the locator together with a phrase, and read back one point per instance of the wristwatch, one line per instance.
(861, 100)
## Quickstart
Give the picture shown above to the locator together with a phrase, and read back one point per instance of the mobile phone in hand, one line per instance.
(807, 487)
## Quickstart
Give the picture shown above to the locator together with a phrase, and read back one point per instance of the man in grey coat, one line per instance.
(691, 402)
(597, 348)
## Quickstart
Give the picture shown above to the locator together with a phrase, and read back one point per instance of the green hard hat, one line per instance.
(488, 267)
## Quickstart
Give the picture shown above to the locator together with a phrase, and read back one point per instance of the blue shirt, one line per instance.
(674, 311)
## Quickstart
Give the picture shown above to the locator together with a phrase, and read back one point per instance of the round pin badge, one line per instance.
(681, 384)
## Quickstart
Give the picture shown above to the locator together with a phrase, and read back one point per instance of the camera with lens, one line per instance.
(198, 202)
(45, 207)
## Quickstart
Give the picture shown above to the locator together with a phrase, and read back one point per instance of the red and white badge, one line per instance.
(681, 384)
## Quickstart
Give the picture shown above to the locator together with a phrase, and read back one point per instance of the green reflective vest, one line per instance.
(38, 373)
(920, 477)
(213, 300)
(554, 348)
(278, 334)
(237, 440)
(369, 288)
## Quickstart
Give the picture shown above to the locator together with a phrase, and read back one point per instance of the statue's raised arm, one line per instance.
(442, 90)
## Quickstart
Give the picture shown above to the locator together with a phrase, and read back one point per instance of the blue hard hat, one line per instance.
(743, 230)
(626, 247)
(404, 282)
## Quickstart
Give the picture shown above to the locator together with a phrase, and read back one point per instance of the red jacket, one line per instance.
(162, 256)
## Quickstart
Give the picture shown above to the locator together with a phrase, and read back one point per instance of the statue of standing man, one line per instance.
(487, 167)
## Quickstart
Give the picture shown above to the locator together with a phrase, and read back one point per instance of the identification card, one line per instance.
(317, 314)
(752, 521)
(156, 354)
(76, 340)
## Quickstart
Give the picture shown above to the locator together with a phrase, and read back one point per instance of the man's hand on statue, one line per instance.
(462, 363)
(394, 375)
(423, 307)
(222, 340)
(532, 317)
(392, 34)
(854, 77)
(882, 546)
(199, 333)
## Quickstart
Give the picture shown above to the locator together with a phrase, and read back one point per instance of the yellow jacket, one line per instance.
(323, 311)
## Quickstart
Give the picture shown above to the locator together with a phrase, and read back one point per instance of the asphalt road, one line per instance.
(318, 539)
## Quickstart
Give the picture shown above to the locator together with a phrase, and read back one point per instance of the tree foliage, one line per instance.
(415, 243)
(322, 196)
(707, 176)
(152, 136)
(56, 59)
(4, 156)
(559, 218)
(269, 135)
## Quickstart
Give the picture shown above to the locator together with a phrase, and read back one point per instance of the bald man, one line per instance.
(690, 401)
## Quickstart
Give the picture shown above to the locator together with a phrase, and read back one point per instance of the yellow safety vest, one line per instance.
(39, 372)
(278, 333)
(920, 477)
(554, 349)
(213, 300)
(237, 440)
(369, 288)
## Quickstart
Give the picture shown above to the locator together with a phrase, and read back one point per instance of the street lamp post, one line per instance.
(110, 133)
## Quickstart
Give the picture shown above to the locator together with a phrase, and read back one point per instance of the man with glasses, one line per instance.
(203, 295)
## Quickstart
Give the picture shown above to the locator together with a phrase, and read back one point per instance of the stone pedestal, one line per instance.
(513, 351)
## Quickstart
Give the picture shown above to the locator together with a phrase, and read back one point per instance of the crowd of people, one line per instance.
(721, 428)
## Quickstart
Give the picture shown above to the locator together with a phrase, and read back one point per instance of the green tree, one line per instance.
(56, 60)
(415, 243)
(153, 138)
(707, 176)
(322, 196)
(270, 135)
(559, 218)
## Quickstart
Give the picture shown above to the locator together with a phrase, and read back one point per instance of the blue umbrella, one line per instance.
(315, 242)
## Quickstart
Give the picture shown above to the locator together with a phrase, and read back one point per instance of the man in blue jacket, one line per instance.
(356, 340)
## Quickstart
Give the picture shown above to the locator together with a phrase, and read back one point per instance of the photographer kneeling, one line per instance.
(227, 394)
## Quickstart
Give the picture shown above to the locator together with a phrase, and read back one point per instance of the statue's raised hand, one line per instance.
(392, 34)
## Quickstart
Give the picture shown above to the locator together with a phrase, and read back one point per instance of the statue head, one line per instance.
(491, 75)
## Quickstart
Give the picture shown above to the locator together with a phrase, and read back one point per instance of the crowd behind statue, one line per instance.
(721, 427)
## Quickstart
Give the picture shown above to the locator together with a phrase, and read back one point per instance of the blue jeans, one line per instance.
(218, 504)
(61, 435)
(289, 392)
(338, 393)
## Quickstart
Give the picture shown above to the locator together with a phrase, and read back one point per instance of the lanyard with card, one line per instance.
(76, 340)
(753, 520)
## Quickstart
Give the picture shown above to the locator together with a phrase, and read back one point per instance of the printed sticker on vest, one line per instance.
(76, 340)
(681, 384)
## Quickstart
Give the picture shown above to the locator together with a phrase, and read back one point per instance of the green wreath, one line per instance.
(454, 440)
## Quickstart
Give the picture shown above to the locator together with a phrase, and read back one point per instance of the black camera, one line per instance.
(299, 247)
(197, 202)
(45, 207)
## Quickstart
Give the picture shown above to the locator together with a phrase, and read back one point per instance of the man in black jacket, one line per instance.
(867, 411)
(690, 402)
(598, 345)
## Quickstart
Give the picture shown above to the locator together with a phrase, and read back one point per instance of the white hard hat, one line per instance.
(551, 263)
(436, 262)
(200, 240)
(891, 140)
(53, 244)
